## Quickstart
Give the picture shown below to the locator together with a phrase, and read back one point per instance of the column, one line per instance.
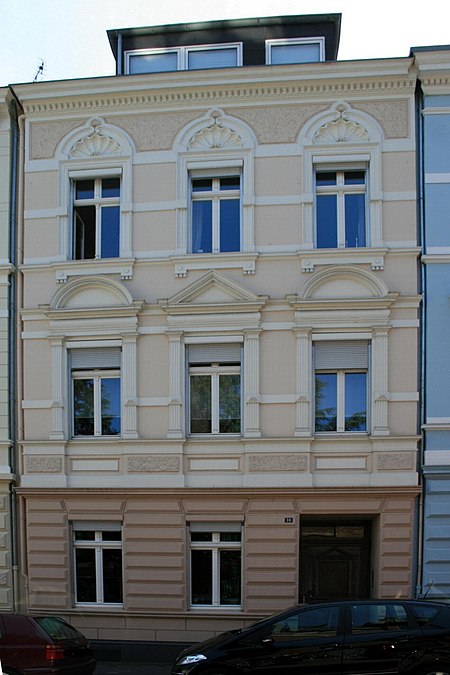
(379, 373)
(129, 386)
(59, 387)
(251, 394)
(303, 382)
(176, 372)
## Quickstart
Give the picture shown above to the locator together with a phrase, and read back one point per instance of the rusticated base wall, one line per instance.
(155, 552)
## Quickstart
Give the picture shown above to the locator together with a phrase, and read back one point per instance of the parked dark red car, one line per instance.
(43, 645)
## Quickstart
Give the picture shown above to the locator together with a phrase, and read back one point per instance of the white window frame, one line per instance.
(183, 54)
(97, 376)
(98, 545)
(287, 42)
(340, 189)
(215, 546)
(98, 202)
(216, 195)
(215, 371)
(340, 400)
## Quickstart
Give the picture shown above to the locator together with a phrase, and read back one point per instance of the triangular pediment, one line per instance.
(214, 293)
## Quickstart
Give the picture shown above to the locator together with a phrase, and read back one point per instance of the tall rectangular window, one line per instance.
(96, 218)
(192, 57)
(341, 209)
(341, 381)
(215, 214)
(215, 389)
(97, 554)
(96, 396)
(216, 565)
(295, 50)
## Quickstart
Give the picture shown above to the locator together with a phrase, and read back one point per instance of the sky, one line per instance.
(69, 36)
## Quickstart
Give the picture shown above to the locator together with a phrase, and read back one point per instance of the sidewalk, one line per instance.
(131, 668)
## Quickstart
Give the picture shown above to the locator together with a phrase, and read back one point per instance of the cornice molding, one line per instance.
(86, 103)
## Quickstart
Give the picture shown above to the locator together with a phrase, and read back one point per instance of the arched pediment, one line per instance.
(91, 292)
(349, 283)
(214, 131)
(341, 125)
(95, 139)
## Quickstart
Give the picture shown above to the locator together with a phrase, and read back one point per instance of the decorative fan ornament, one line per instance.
(341, 131)
(94, 145)
(215, 136)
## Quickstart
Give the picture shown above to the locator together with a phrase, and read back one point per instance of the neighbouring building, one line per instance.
(434, 144)
(219, 316)
(9, 158)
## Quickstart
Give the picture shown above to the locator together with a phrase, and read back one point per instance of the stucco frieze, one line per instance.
(45, 137)
(277, 124)
(153, 464)
(395, 461)
(393, 116)
(156, 131)
(43, 464)
(278, 463)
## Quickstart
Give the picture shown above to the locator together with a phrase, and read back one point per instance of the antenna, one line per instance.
(40, 71)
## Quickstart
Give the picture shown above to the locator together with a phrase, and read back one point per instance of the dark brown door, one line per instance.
(334, 560)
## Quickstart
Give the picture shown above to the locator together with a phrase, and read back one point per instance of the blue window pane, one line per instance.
(326, 206)
(110, 232)
(354, 177)
(355, 220)
(83, 407)
(230, 183)
(300, 53)
(230, 227)
(84, 189)
(111, 187)
(355, 402)
(326, 178)
(212, 58)
(153, 63)
(202, 227)
(110, 406)
(326, 401)
(202, 185)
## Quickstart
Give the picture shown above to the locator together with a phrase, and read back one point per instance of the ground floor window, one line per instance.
(215, 565)
(97, 563)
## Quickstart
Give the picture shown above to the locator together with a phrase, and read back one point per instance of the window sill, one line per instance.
(343, 256)
(208, 261)
(78, 268)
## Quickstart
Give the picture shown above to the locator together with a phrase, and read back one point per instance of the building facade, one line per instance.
(434, 126)
(219, 319)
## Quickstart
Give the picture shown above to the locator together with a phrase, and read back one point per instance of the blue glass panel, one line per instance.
(326, 178)
(110, 406)
(355, 402)
(230, 226)
(153, 63)
(300, 53)
(202, 185)
(110, 232)
(354, 177)
(84, 189)
(230, 183)
(355, 220)
(83, 407)
(202, 226)
(111, 187)
(212, 58)
(326, 401)
(326, 206)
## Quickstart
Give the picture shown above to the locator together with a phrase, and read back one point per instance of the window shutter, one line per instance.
(341, 354)
(215, 527)
(215, 353)
(95, 357)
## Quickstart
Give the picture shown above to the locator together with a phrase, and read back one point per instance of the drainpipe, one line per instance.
(423, 286)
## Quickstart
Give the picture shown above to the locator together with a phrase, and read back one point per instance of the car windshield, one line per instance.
(57, 628)
(269, 617)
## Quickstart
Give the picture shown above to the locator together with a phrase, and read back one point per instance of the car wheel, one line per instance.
(437, 670)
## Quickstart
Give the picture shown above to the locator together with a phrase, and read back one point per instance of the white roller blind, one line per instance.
(215, 353)
(95, 357)
(341, 354)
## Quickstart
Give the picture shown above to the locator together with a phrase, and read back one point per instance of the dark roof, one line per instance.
(253, 32)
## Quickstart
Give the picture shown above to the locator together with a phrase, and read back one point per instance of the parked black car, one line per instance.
(339, 638)
(44, 645)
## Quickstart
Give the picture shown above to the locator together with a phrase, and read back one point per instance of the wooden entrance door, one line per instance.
(334, 560)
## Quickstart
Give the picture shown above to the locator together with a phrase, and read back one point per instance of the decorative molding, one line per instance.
(262, 463)
(92, 267)
(43, 464)
(95, 145)
(338, 257)
(341, 131)
(394, 462)
(215, 261)
(214, 137)
(158, 464)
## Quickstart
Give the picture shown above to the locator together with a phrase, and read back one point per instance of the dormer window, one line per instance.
(183, 58)
(295, 50)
